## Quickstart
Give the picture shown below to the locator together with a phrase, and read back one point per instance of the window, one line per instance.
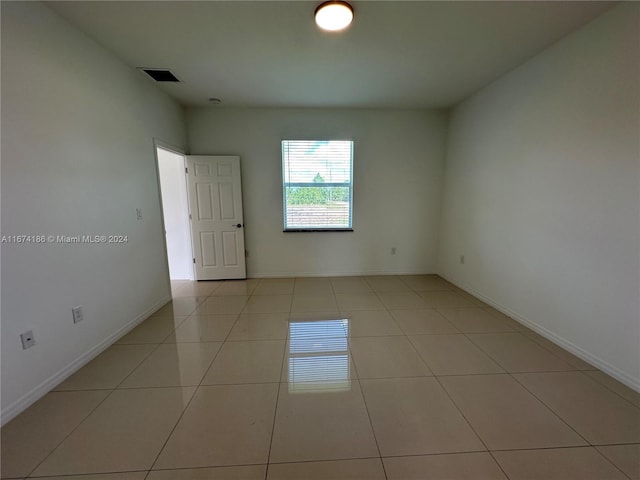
(317, 184)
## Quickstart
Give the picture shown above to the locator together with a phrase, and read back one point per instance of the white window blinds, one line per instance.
(317, 184)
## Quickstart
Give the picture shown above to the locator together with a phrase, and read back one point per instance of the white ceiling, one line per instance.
(270, 53)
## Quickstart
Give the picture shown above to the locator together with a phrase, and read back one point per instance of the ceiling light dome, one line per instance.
(334, 15)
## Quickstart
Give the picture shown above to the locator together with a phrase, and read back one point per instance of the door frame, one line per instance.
(157, 143)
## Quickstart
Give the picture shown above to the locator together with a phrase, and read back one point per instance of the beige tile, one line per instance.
(108, 369)
(314, 286)
(152, 330)
(414, 416)
(350, 285)
(594, 411)
(625, 457)
(559, 352)
(174, 365)
(445, 299)
(101, 476)
(385, 357)
(275, 286)
(455, 466)
(222, 305)
(425, 283)
(311, 302)
(361, 469)
(260, 326)
(197, 289)
(32, 435)
(419, 322)
(471, 298)
(505, 415)
(475, 320)
(322, 425)
(386, 283)
(453, 355)
(268, 304)
(317, 351)
(317, 363)
(557, 464)
(224, 425)
(318, 324)
(180, 306)
(125, 433)
(247, 362)
(402, 300)
(248, 472)
(203, 328)
(515, 324)
(236, 287)
(616, 386)
(358, 301)
(516, 353)
(371, 323)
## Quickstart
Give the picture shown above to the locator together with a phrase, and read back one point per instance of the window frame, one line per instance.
(286, 185)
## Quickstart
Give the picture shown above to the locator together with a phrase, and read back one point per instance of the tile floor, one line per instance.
(394, 377)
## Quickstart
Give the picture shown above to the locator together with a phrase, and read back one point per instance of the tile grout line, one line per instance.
(471, 426)
(195, 392)
(275, 409)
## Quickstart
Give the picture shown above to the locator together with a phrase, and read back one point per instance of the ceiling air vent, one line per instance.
(160, 75)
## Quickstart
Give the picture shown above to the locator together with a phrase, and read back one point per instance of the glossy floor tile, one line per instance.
(360, 469)
(475, 320)
(558, 464)
(223, 425)
(32, 436)
(371, 323)
(260, 326)
(203, 328)
(108, 369)
(125, 433)
(516, 353)
(455, 466)
(423, 322)
(326, 423)
(506, 416)
(173, 365)
(625, 457)
(453, 355)
(414, 416)
(376, 377)
(250, 472)
(257, 361)
(387, 357)
(575, 397)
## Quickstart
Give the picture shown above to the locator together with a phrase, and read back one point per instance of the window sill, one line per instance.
(314, 230)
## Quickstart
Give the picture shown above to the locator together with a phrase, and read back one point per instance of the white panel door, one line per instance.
(217, 228)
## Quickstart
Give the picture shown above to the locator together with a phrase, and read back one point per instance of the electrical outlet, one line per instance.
(28, 340)
(462, 259)
(139, 213)
(393, 250)
(78, 316)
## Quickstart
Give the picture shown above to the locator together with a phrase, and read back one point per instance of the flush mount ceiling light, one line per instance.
(334, 15)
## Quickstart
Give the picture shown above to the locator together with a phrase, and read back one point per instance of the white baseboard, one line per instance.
(623, 377)
(333, 274)
(50, 383)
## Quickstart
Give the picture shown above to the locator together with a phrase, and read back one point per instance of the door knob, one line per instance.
(239, 225)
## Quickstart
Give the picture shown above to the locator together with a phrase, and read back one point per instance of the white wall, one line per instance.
(542, 193)
(398, 161)
(175, 211)
(77, 158)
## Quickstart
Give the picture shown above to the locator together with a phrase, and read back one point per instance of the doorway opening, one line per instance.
(175, 212)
